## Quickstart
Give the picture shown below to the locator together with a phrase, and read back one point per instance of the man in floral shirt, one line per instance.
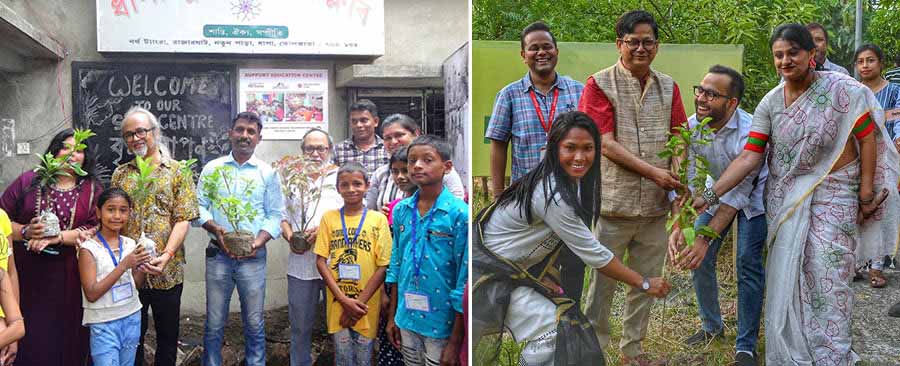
(171, 205)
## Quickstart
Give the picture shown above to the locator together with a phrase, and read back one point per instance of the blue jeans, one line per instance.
(750, 281)
(352, 348)
(303, 303)
(222, 274)
(114, 343)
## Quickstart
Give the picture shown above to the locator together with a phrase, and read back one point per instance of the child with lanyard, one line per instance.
(353, 248)
(429, 261)
(112, 309)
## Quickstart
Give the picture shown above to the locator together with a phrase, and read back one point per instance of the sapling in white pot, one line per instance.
(48, 171)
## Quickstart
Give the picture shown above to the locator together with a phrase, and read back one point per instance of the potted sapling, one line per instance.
(144, 188)
(48, 171)
(301, 182)
(226, 192)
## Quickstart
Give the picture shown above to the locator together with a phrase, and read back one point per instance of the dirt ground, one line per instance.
(876, 336)
(278, 340)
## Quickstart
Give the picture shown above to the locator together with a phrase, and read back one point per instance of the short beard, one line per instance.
(142, 152)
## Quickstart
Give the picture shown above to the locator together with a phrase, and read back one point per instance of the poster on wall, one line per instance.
(311, 27)
(289, 102)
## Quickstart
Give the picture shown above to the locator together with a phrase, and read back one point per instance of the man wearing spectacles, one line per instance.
(171, 206)
(717, 97)
(635, 108)
(304, 281)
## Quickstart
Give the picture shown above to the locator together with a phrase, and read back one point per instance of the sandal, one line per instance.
(876, 278)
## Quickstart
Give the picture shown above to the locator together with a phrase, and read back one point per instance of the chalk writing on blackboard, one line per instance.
(193, 104)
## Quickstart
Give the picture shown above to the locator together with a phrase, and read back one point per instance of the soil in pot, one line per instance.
(299, 243)
(238, 242)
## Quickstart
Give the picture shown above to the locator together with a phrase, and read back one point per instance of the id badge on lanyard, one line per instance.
(351, 271)
(121, 291)
(417, 301)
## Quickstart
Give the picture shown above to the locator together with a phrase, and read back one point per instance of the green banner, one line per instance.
(245, 31)
(498, 63)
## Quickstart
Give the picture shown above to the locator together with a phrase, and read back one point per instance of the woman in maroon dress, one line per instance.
(48, 269)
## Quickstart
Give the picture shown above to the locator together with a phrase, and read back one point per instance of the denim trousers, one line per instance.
(750, 280)
(223, 274)
(303, 304)
(419, 350)
(114, 343)
(352, 348)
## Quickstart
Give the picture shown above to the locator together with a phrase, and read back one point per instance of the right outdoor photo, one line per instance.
(708, 182)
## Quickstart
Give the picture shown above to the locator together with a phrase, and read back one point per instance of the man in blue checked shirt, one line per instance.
(429, 262)
(225, 270)
(523, 112)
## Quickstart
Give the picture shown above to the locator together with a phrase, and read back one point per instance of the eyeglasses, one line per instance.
(139, 133)
(312, 149)
(634, 43)
(699, 91)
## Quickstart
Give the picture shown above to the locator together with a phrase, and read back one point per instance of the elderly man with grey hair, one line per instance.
(304, 283)
(167, 213)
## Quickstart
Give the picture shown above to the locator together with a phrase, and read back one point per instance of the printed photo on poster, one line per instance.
(289, 102)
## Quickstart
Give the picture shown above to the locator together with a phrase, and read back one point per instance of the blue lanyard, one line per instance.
(429, 216)
(108, 249)
(358, 228)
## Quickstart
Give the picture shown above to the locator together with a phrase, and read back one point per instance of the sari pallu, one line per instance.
(813, 236)
(499, 282)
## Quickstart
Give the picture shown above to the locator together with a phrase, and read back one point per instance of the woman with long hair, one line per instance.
(516, 245)
(47, 267)
(831, 200)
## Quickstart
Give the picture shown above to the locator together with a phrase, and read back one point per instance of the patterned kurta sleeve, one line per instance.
(185, 208)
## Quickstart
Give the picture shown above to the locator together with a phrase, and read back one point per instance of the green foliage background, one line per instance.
(746, 22)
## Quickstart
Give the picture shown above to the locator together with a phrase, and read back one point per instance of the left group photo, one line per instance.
(237, 182)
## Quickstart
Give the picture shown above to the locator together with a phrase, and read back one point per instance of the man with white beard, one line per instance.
(171, 205)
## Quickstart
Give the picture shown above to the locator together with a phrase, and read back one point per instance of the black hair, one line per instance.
(588, 205)
(797, 34)
(736, 87)
(353, 167)
(630, 20)
(58, 143)
(814, 25)
(365, 105)
(870, 47)
(439, 145)
(407, 122)
(113, 193)
(536, 27)
(252, 117)
(399, 155)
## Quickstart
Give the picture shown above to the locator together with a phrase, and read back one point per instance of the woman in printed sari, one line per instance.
(517, 241)
(831, 200)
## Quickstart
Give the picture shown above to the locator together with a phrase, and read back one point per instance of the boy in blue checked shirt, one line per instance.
(429, 261)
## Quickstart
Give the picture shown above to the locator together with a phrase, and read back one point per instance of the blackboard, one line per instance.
(193, 103)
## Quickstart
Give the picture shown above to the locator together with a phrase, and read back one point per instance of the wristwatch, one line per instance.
(645, 284)
(710, 197)
(24, 230)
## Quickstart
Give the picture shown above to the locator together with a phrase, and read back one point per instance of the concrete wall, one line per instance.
(456, 109)
(40, 101)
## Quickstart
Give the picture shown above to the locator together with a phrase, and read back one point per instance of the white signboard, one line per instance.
(288, 102)
(328, 27)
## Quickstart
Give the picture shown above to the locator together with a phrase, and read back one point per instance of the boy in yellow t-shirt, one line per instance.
(354, 249)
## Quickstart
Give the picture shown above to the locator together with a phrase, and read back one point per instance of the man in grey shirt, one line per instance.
(820, 38)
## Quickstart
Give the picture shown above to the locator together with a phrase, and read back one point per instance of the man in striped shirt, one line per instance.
(893, 75)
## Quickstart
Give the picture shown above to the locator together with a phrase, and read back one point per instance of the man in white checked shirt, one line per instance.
(718, 96)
